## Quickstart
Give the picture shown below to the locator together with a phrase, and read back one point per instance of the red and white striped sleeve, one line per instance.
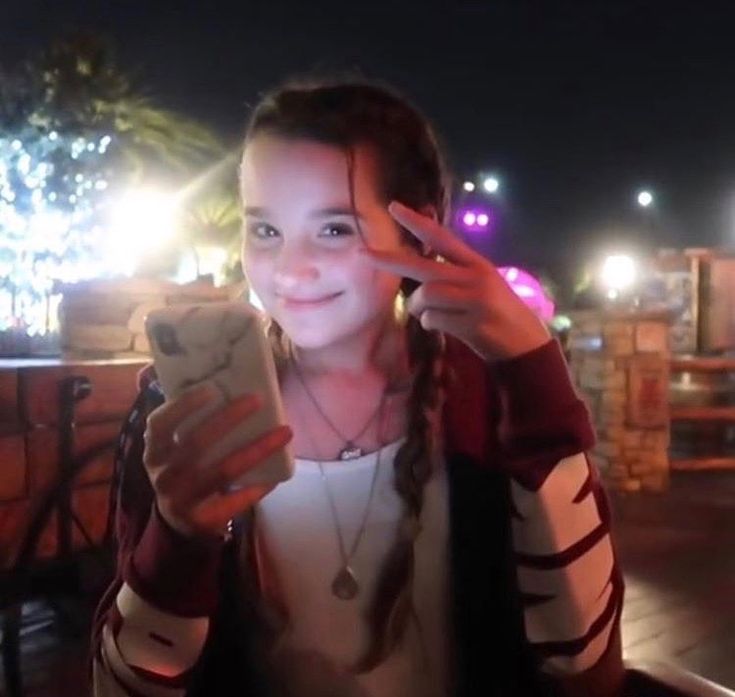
(570, 583)
(155, 630)
(151, 626)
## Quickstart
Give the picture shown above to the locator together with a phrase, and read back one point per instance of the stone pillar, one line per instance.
(620, 363)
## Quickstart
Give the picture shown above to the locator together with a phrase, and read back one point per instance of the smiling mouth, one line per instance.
(293, 302)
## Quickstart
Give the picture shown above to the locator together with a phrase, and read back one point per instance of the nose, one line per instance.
(293, 270)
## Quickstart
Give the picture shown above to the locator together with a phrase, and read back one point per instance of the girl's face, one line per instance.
(300, 239)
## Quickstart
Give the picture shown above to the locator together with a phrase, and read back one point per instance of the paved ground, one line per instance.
(678, 552)
(679, 555)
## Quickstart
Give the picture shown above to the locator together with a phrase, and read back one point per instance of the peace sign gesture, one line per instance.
(463, 294)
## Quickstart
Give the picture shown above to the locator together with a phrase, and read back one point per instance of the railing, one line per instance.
(30, 577)
(703, 414)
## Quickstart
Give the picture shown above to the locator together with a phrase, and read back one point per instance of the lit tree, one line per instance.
(74, 128)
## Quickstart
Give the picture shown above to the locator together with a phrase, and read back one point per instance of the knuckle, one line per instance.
(163, 482)
(193, 446)
(151, 424)
(148, 461)
(177, 510)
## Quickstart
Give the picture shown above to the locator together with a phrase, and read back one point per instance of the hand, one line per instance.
(197, 500)
(462, 294)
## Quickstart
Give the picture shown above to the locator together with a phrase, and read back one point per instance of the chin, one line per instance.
(319, 334)
(311, 337)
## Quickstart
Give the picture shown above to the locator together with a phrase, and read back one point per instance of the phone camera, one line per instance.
(165, 336)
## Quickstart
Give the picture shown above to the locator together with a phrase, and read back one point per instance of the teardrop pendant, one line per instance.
(350, 452)
(345, 585)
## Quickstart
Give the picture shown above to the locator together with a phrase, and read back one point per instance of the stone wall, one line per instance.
(620, 364)
(105, 319)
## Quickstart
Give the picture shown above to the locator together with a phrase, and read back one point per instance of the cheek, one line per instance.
(373, 285)
(258, 270)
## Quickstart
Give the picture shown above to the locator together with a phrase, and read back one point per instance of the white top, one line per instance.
(328, 634)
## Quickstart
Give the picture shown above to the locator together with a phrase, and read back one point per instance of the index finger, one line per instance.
(164, 420)
(435, 235)
(413, 266)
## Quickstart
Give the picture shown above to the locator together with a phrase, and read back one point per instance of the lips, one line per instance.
(308, 302)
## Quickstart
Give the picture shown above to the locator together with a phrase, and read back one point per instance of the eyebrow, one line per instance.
(259, 212)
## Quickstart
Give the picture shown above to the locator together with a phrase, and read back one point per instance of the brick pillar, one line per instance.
(620, 363)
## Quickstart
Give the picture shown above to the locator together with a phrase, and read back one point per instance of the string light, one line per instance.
(49, 224)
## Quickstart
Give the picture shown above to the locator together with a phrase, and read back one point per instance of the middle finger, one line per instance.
(406, 264)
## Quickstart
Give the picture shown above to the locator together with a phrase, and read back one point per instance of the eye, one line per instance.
(337, 230)
(261, 231)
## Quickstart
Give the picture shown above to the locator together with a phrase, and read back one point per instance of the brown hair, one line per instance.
(411, 170)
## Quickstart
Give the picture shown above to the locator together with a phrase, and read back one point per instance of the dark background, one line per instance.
(577, 105)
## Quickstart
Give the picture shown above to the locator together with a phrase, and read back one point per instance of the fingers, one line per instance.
(163, 421)
(411, 265)
(439, 296)
(436, 236)
(221, 476)
(193, 495)
(215, 427)
(203, 500)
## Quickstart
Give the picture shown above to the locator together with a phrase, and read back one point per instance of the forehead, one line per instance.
(275, 167)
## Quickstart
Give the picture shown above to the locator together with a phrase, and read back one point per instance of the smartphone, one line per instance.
(223, 343)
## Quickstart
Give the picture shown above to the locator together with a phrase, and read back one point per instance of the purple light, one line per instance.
(530, 290)
(474, 219)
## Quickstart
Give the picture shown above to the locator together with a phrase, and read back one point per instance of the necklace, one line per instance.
(350, 451)
(345, 585)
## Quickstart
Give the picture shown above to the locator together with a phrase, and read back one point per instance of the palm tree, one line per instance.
(214, 220)
(81, 88)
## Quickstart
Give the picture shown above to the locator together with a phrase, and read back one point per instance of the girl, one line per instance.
(444, 532)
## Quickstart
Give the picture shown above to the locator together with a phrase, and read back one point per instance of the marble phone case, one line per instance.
(225, 344)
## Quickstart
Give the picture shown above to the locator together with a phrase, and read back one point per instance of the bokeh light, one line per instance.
(529, 289)
(474, 218)
(645, 199)
(618, 273)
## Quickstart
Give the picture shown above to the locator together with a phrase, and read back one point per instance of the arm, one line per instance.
(570, 583)
(151, 626)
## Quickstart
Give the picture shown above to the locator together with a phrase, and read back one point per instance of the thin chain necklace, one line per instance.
(345, 585)
(350, 451)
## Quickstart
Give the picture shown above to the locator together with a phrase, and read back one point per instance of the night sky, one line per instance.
(576, 105)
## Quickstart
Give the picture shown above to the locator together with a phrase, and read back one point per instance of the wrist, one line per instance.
(174, 572)
(512, 345)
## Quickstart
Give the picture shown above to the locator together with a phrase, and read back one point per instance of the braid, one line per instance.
(414, 464)
(279, 343)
